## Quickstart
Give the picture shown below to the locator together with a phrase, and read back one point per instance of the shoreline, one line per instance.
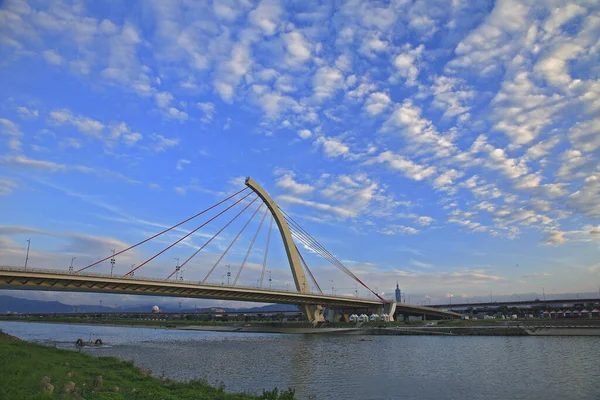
(498, 329)
(32, 370)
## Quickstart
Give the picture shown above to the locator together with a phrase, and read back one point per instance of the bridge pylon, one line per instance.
(313, 313)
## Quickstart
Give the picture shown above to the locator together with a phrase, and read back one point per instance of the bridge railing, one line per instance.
(148, 279)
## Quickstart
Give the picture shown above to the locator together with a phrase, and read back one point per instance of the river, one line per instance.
(342, 367)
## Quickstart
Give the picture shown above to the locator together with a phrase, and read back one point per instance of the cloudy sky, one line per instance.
(452, 146)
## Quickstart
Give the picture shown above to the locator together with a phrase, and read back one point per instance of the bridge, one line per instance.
(317, 305)
(519, 303)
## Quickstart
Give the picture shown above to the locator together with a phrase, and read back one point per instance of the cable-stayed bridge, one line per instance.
(252, 200)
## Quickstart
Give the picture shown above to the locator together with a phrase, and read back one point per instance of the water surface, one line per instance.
(342, 367)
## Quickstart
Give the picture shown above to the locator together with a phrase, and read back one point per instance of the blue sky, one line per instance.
(452, 146)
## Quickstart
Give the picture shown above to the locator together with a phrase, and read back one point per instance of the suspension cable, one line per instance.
(187, 235)
(211, 239)
(337, 263)
(311, 246)
(165, 231)
(264, 266)
(232, 242)
(250, 248)
(312, 277)
(318, 249)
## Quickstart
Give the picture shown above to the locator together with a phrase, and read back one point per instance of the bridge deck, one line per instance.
(56, 280)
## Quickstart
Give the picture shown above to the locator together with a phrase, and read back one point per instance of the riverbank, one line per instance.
(528, 327)
(32, 371)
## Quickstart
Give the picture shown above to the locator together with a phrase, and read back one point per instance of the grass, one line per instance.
(23, 365)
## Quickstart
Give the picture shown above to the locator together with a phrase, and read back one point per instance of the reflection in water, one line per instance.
(334, 367)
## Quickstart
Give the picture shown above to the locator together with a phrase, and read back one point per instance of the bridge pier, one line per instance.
(314, 313)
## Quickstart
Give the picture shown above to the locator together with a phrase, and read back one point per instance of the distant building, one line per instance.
(212, 310)
(398, 293)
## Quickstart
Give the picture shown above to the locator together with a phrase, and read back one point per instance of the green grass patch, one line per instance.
(23, 366)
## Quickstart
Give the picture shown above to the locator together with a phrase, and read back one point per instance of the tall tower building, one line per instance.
(398, 293)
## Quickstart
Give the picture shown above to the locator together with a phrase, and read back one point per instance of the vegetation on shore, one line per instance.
(32, 371)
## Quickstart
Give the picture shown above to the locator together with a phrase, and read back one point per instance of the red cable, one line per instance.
(250, 248)
(165, 231)
(337, 263)
(264, 266)
(232, 242)
(210, 240)
(312, 277)
(192, 232)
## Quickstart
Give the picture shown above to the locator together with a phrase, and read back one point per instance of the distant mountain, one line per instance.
(24, 306)
(21, 306)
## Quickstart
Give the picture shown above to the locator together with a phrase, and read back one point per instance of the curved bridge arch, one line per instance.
(286, 236)
(313, 312)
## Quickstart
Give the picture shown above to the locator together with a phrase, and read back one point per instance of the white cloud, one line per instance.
(339, 211)
(304, 133)
(162, 143)
(84, 124)
(287, 182)
(377, 103)
(326, 82)
(447, 178)
(27, 113)
(420, 264)
(407, 167)
(332, 147)
(52, 57)
(181, 162)
(406, 63)
(451, 95)
(555, 237)
(496, 40)
(163, 99)
(398, 230)
(179, 115)
(575, 165)
(585, 135)
(7, 186)
(228, 11)
(418, 130)
(523, 109)
(372, 44)
(498, 160)
(297, 48)
(208, 109)
(231, 72)
(585, 199)
(266, 16)
(51, 166)
(361, 90)
(9, 128)
(542, 148)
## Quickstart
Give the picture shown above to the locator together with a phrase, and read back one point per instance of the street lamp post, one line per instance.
(27, 254)
(132, 267)
(228, 273)
(71, 266)
(270, 280)
(544, 293)
(332, 288)
(177, 268)
(112, 263)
